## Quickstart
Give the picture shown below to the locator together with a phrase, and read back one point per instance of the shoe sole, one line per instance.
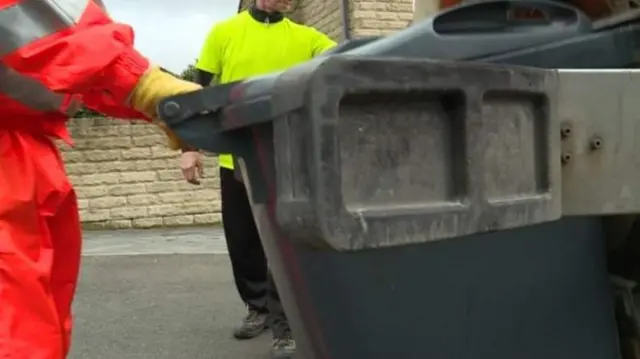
(249, 334)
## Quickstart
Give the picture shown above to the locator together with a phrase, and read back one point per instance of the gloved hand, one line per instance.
(153, 87)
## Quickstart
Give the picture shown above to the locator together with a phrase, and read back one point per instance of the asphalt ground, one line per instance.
(159, 294)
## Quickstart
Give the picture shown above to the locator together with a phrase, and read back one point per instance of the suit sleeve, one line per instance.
(94, 60)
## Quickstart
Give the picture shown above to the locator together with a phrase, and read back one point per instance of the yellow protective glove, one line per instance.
(153, 87)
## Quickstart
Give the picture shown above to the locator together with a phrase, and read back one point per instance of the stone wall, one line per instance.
(326, 16)
(123, 173)
(126, 177)
(379, 17)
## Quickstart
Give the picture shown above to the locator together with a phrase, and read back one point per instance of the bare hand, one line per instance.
(191, 166)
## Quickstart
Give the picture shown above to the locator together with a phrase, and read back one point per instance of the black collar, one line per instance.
(265, 17)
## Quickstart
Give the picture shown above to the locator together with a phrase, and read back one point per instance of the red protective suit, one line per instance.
(54, 54)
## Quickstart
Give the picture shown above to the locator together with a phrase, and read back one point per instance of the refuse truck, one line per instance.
(465, 188)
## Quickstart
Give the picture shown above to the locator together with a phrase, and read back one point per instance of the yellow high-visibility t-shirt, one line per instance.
(242, 47)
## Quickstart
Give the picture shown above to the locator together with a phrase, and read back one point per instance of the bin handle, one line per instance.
(507, 15)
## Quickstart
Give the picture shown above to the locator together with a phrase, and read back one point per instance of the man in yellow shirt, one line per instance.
(254, 42)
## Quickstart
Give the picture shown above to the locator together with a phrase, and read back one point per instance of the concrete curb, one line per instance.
(191, 240)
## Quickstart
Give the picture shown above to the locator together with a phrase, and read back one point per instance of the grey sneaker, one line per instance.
(283, 348)
(252, 325)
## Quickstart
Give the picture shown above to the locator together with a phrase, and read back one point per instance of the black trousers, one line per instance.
(248, 262)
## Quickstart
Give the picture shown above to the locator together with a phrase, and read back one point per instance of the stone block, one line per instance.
(108, 202)
(129, 212)
(136, 153)
(138, 176)
(149, 222)
(177, 221)
(95, 179)
(143, 200)
(95, 215)
(126, 189)
(207, 218)
(89, 192)
(102, 155)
